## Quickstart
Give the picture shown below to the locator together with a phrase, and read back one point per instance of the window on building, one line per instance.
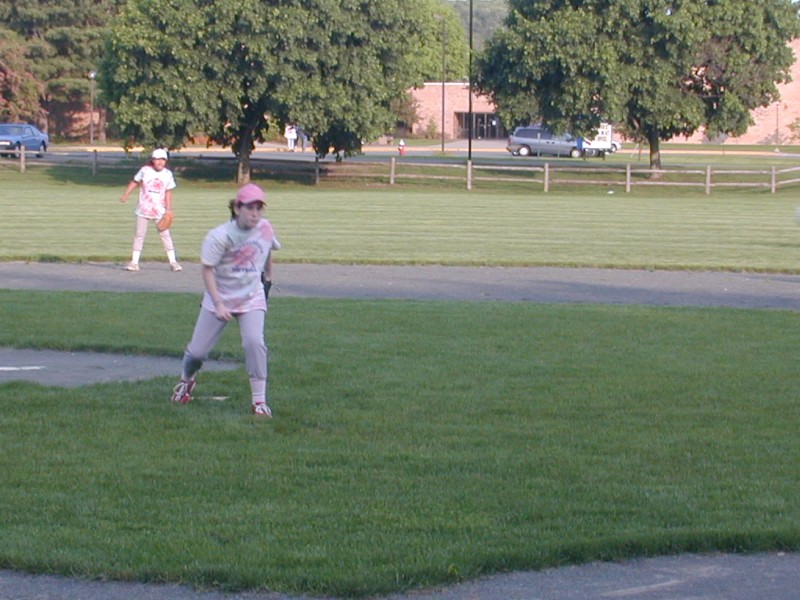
(485, 126)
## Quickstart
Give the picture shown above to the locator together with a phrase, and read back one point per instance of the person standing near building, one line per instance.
(236, 260)
(290, 133)
(155, 183)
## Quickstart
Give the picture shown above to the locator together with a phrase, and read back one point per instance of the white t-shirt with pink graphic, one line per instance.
(238, 257)
(153, 186)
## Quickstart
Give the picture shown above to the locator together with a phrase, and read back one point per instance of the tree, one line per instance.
(20, 90)
(443, 31)
(61, 41)
(659, 67)
(238, 69)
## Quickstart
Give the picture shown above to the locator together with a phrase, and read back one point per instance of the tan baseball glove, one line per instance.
(165, 222)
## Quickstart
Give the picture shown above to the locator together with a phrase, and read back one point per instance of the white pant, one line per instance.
(141, 231)
(207, 332)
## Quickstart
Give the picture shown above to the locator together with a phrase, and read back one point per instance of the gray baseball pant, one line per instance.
(207, 332)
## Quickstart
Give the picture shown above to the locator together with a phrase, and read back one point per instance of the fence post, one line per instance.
(94, 163)
(469, 175)
(628, 178)
(391, 170)
(773, 182)
(316, 170)
(708, 179)
(546, 177)
(22, 159)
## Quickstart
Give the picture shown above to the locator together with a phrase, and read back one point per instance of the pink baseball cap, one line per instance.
(250, 193)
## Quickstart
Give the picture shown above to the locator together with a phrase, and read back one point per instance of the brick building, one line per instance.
(454, 96)
(771, 123)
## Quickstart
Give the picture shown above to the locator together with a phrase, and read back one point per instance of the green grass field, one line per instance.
(65, 213)
(415, 443)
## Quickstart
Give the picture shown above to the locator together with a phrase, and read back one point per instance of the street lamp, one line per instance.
(469, 129)
(92, 77)
(444, 73)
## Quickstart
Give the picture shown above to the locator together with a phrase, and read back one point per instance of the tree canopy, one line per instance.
(660, 68)
(442, 31)
(20, 90)
(56, 44)
(237, 69)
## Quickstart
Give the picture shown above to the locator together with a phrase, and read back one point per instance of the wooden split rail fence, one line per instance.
(547, 175)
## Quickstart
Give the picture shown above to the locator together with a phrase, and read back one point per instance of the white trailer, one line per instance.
(602, 143)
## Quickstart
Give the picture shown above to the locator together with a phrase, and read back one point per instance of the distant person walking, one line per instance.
(290, 133)
(303, 137)
(155, 183)
(236, 262)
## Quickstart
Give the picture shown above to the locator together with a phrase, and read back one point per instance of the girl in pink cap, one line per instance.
(236, 260)
(155, 182)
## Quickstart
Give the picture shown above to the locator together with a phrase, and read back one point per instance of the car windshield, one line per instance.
(10, 130)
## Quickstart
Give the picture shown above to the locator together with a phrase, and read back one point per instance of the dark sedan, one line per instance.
(15, 136)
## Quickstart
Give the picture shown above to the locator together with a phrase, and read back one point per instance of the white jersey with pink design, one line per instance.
(153, 186)
(238, 257)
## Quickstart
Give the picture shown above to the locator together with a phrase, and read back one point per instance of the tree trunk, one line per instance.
(101, 125)
(654, 142)
(243, 171)
(245, 144)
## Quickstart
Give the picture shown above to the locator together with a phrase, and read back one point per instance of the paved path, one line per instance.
(772, 576)
(539, 284)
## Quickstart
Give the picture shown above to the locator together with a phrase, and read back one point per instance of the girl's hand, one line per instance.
(222, 312)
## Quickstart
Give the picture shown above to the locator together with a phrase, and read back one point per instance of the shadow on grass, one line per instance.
(200, 170)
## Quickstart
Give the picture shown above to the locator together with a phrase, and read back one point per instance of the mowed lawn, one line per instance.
(65, 213)
(415, 443)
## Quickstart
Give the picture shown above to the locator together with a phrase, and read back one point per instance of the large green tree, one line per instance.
(237, 69)
(442, 33)
(659, 67)
(20, 90)
(61, 42)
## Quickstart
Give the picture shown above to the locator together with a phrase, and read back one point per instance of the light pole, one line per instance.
(92, 77)
(469, 126)
(444, 72)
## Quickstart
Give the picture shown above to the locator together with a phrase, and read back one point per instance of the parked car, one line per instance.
(15, 136)
(538, 139)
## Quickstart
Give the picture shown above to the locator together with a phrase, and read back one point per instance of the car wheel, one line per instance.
(575, 153)
(524, 151)
(41, 151)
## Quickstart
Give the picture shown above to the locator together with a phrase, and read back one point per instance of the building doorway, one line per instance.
(485, 126)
